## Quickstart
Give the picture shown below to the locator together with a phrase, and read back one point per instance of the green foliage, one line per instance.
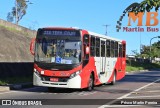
(15, 30)
(21, 11)
(146, 5)
(136, 66)
(132, 68)
(155, 50)
(10, 17)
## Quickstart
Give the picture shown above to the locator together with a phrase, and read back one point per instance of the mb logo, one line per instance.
(151, 18)
(138, 18)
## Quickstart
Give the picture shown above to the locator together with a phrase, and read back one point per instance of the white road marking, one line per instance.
(122, 106)
(138, 89)
(83, 93)
(124, 96)
(87, 93)
(153, 91)
(142, 96)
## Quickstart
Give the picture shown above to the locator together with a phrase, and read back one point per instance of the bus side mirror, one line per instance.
(87, 49)
(32, 46)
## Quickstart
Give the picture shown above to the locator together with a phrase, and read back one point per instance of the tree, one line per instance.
(9, 17)
(155, 51)
(146, 5)
(20, 7)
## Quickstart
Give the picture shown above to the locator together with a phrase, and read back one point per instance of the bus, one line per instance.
(76, 58)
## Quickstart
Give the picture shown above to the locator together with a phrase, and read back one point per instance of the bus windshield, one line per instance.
(59, 51)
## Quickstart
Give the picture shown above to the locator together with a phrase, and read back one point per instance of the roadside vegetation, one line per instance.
(12, 29)
(136, 66)
(149, 58)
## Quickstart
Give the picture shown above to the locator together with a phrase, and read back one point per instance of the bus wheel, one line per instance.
(114, 79)
(91, 83)
(51, 89)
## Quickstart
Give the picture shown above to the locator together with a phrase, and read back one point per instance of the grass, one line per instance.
(15, 80)
(14, 30)
(136, 66)
(132, 68)
(10, 28)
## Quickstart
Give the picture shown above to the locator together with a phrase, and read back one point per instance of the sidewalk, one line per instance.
(4, 88)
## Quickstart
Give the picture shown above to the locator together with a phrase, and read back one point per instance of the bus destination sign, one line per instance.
(61, 32)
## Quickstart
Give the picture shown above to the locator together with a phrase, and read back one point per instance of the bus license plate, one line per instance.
(54, 79)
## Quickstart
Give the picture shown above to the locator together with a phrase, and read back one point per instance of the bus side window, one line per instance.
(86, 39)
(120, 50)
(108, 48)
(85, 44)
(112, 48)
(92, 48)
(97, 47)
(124, 50)
(116, 49)
(102, 48)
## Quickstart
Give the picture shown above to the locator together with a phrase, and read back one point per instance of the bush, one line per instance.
(135, 66)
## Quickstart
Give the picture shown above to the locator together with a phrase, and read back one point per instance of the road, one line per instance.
(139, 85)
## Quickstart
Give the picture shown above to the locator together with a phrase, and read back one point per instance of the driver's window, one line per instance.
(85, 45)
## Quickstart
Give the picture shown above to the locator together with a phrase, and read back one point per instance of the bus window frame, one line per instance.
(108, 48)
(92, 46)
(97, 47)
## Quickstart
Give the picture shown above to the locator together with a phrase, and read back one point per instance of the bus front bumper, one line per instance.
(71, 83)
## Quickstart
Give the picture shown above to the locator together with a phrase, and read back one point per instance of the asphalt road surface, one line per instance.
(136, 90)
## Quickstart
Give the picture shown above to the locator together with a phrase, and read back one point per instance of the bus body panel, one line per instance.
(71, 83)
(106, 66)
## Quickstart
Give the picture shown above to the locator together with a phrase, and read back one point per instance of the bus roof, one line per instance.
(103, 36)
(59, 28)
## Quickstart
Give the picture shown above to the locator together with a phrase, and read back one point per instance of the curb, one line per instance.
(4, 88)
(136, 71)
(16, 86)
(154, 69)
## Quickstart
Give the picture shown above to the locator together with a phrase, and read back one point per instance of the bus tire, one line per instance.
(114, 79)
(91, 83)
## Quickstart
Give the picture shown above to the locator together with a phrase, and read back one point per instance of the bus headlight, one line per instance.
(75, 74)
(36, 72)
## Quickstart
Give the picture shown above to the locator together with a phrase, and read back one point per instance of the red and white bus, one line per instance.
(76, 58)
